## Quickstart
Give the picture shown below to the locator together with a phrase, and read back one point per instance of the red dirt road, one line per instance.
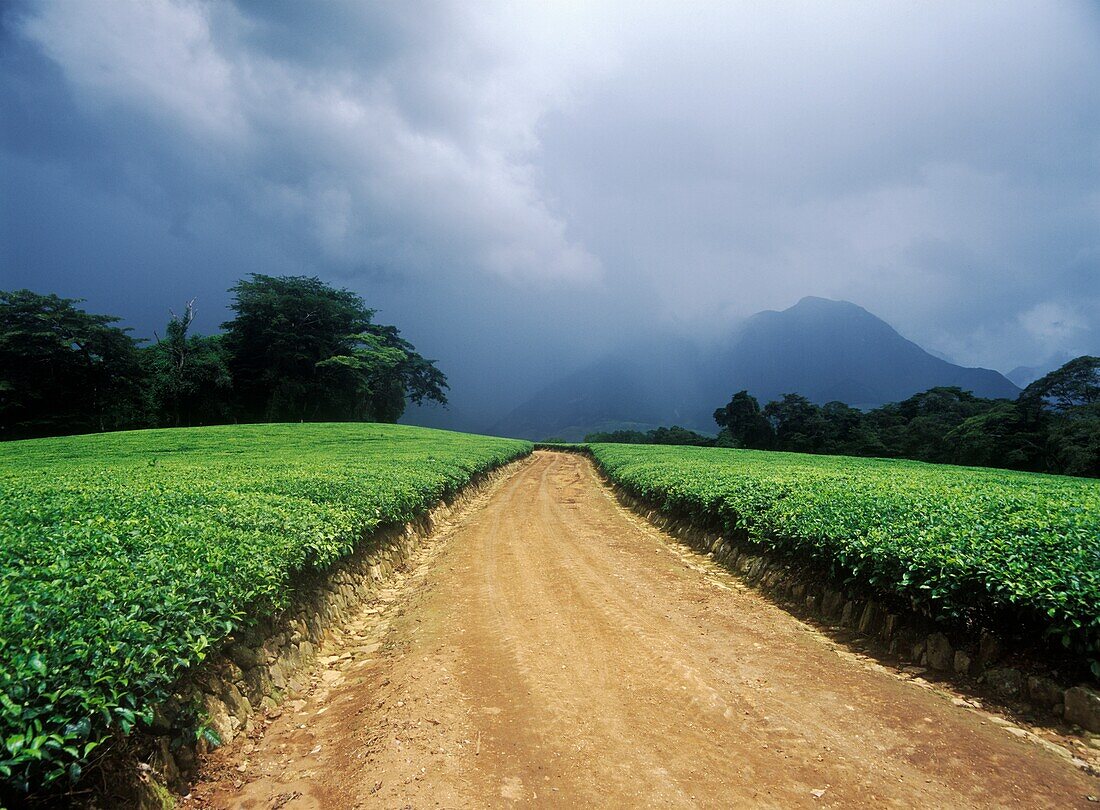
(551, 648)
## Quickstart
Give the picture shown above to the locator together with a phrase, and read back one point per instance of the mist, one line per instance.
(526, 188)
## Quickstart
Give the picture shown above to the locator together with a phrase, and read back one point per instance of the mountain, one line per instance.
(823, 349)
(1024, 376)
(834, 350)
(642, 387)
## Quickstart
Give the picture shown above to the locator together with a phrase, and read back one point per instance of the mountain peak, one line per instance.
(837, 306)
(817, 300)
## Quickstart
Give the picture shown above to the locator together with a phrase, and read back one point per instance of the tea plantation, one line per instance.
(126, 557)
(1017, 552)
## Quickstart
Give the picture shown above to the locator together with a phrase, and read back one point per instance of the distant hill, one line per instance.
(644, 388)
(1024, 376)
(826, 350)
(834, 350)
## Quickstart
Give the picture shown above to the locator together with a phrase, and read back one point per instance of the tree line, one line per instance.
(296, 349)
(1052, 426)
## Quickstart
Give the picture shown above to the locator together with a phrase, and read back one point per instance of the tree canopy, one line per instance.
(188, 375)
(1075, 385)
(302, 350)
(296, 349)
(64, 370)
(744, 424)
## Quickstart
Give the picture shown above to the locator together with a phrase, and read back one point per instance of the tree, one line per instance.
(300, 349)
(1074, 442)
(64, 370)
(1074, 385)
(917, 427)
(798, 424)
(743, 424)
(413, 379)
(1065, 404)
(845, 431)
(362, 383)
(998, 437)
(189, 380)
(1053, 426)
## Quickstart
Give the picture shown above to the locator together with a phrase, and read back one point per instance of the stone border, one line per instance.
(260, 667)
(910, 637)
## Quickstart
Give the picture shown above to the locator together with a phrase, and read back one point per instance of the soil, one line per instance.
(553, 648)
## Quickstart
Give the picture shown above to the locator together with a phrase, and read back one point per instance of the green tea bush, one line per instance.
(1016, 551)
(126, 557)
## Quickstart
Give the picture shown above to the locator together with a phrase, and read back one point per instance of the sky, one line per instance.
(521, 187)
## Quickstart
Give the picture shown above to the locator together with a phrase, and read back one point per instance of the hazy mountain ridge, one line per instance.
(641, 387)
(1023, 376)
(835, 350)
(826, 350)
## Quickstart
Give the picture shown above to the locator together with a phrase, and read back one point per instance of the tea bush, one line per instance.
(126, 557)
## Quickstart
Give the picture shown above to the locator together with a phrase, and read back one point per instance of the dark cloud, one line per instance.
(520, 186)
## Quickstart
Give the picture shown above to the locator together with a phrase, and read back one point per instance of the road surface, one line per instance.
(553, 649)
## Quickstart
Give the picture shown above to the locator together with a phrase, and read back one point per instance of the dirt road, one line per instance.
(554, 649)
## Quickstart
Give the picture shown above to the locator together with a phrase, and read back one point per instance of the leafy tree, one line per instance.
(363, 384)
(998, 437)
(189, 380)
(917, 427)
(303, 350)
(1066, 405)
(1074, 385)
(680, 436)
(845, 431)
(64, 370)
(743, 423)
(1074, 442)
(798, 423)
(414, 379)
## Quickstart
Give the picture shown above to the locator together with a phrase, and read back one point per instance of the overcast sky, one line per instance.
(520, 186)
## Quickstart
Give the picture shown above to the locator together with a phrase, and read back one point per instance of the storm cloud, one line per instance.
(521, 186)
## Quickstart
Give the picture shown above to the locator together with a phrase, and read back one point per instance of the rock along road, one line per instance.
(551, 648)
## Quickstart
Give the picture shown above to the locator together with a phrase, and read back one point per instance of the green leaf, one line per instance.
(37, 664)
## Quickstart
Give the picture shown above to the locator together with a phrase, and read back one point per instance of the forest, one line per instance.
(296, 349)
